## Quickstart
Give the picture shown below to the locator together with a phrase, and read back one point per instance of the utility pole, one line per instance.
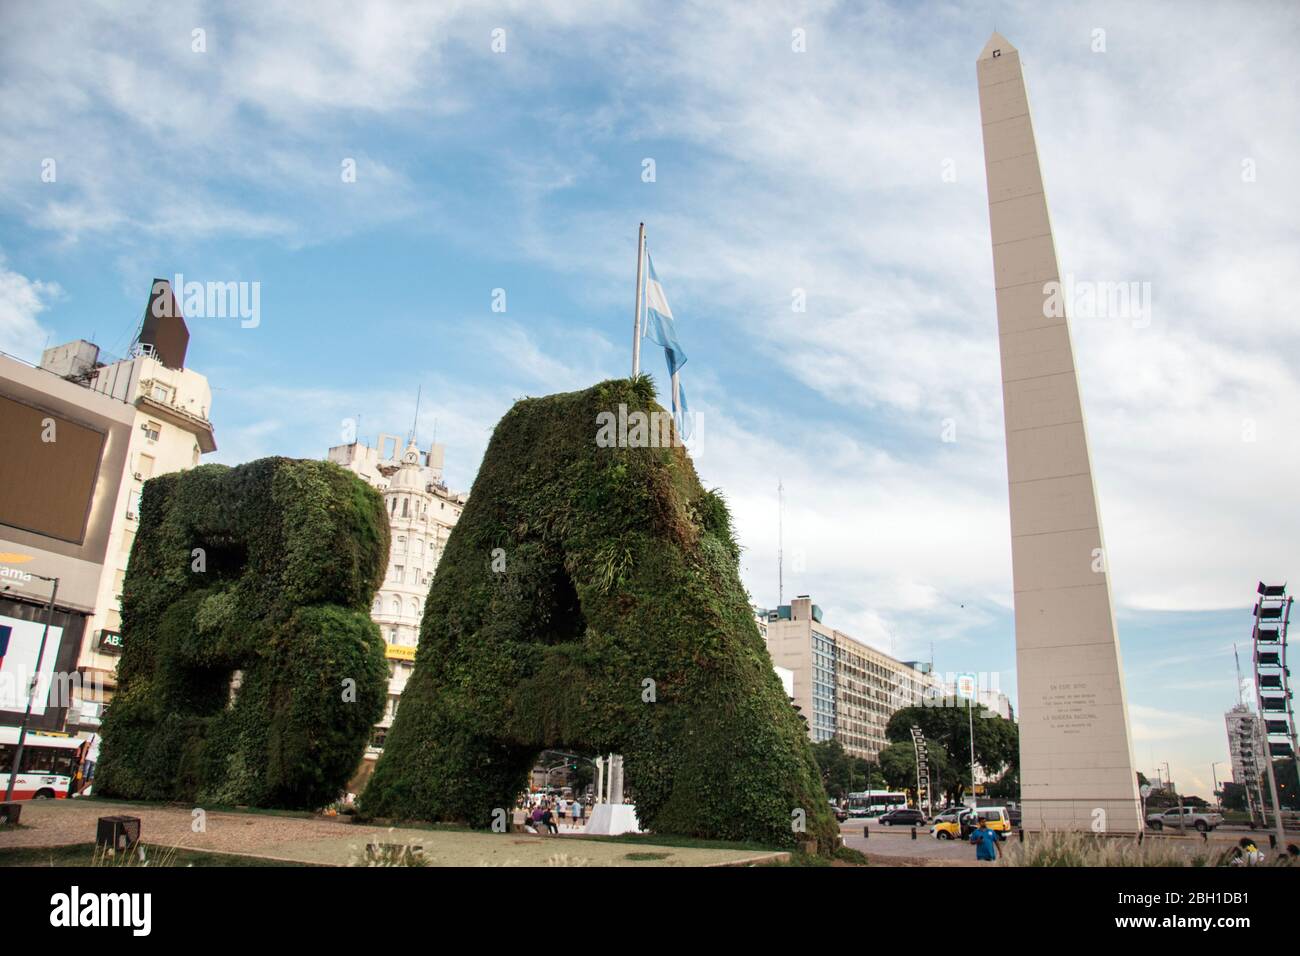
(31, 689)
(1169, 777)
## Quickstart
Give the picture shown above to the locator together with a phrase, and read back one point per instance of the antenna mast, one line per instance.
(780, 543)
(1240, 700)
(415, 424)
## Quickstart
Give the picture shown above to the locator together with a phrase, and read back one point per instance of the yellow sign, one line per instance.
(13, 557)
(399, 652)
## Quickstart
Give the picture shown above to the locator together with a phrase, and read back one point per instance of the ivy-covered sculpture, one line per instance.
(251, 672)
(588, 600)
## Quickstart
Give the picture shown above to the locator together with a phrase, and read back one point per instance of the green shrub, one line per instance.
(847, 854)
(268, 569)
(615, 568)
(1078, 848)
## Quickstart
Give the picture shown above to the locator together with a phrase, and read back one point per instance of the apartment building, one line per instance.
(422, 510)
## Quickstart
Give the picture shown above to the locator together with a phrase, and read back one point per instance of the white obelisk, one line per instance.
(1076, 757)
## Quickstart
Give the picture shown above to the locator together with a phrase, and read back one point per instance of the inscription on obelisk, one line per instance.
(1076, 757)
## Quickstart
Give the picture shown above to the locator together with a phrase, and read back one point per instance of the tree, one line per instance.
(898, 765)
(997, 741)
(1288, 786)
(1007, 786)
(841, 772)
(1233, 796)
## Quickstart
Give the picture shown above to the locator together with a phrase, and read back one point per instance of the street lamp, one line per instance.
(31, 689)
(1215, 775)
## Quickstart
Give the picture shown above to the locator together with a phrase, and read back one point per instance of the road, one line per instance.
(896, 843)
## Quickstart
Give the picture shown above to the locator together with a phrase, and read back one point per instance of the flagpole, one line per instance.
(636, 328)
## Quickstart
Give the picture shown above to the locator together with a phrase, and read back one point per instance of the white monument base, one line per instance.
(611, 819)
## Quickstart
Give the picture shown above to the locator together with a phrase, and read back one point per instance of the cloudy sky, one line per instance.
(851, 170)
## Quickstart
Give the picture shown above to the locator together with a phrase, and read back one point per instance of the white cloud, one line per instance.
(22, 300)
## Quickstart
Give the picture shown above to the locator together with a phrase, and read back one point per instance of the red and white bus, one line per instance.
(49, 764)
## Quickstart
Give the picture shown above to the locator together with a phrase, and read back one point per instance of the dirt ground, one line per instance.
(333, 841)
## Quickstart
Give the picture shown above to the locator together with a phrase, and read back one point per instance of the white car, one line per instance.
(1188, 818)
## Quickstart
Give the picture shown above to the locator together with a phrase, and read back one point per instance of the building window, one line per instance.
(152, 430)
(401, 546)
(144, 465)
(161, 393)
(398, 573)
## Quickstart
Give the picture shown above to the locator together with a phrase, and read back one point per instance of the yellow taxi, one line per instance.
(959, 826)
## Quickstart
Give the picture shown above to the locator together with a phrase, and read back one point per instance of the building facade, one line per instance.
(845, 689)
(72, 497)
(422, 510)
(1246, 746)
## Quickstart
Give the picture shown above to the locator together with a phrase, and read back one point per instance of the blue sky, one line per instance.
(775, 171)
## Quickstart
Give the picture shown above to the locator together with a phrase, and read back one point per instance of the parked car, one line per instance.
(1013, 813)
(838, 811)
(859, 812)
(1190, 818)
(903, 817)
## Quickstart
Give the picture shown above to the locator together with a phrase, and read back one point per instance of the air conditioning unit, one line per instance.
(130, 515)
(139, 477)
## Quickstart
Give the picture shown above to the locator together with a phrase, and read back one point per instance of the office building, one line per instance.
(845, 689)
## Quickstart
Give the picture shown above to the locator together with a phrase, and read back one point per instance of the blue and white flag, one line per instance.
(660, 327)
(659, 319)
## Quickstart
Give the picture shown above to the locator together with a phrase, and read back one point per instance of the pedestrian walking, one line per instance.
(986, 842)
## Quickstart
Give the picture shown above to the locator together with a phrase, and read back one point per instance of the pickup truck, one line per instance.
(1187, 817)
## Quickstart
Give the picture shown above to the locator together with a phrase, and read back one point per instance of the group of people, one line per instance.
(543, 813)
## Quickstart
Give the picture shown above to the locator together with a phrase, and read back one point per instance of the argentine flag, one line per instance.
(660, 327)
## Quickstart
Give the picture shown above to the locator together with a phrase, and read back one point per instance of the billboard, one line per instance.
(48, 467)
(63, 456)
(20, 644)
(21, 625)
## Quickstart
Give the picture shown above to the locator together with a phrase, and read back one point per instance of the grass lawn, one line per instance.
(83, 854)
(680, 842)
